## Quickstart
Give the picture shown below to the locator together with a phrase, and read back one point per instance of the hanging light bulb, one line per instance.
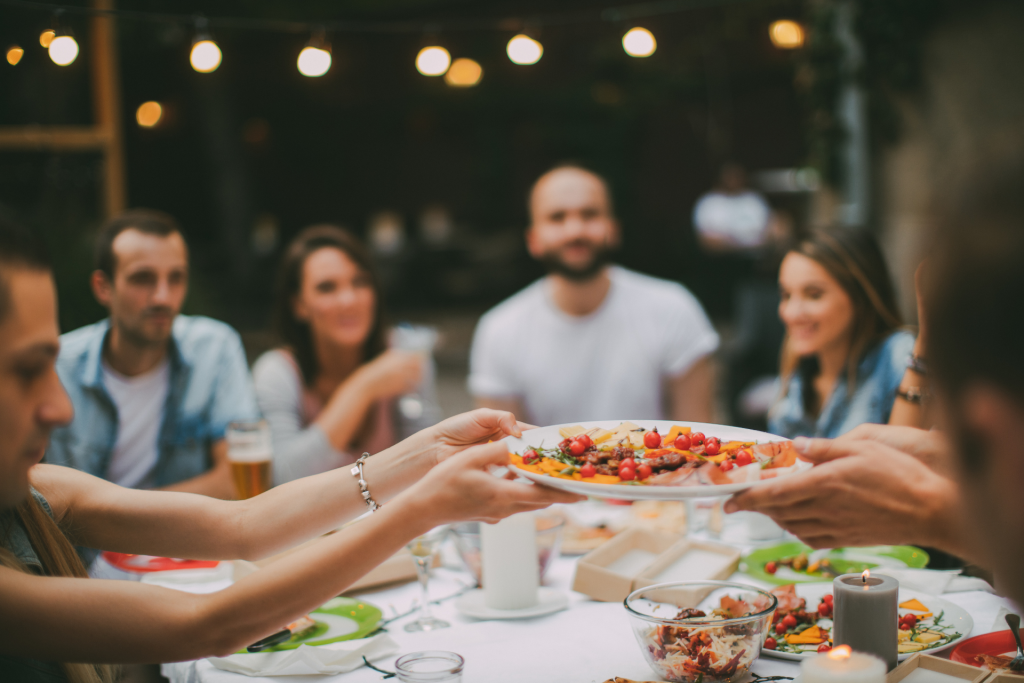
(14, 54)
(639, 42)
(63, 49)
(523, 49)
(464, 73)
(433, 61)
(205, 55)
(315, 58)
(786, 34)
(148, 114)
(46, 36)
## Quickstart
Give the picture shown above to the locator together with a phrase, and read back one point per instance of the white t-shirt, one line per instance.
(140, 411)
(742, 217)
(609, 365)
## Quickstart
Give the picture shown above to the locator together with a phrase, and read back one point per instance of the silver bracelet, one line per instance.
(357, 472)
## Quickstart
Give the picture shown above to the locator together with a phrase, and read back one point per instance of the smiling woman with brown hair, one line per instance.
(55, 624)
(844, 356)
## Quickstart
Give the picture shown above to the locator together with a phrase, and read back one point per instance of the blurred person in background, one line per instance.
(329, 393)
(153, 390)
(58, 626)
(732, 217)
(844, 360)
(591, 341)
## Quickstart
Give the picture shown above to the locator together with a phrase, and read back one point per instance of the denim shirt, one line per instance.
(209, 387)
(878, 378)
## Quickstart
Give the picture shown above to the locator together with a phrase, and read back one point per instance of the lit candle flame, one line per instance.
(840, 652)
(866, 575)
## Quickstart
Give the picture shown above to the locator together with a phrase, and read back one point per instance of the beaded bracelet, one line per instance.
(917, 364)
(357, 471)
(911, 395)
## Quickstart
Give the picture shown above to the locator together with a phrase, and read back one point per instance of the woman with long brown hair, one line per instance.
(328, 393)
(844, 356)
(56, 624)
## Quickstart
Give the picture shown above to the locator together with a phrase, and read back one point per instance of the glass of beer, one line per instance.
(249, 452)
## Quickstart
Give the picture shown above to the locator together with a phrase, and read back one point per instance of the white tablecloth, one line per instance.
(589, 642)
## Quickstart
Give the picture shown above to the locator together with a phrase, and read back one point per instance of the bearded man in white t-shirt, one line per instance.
(591, 341)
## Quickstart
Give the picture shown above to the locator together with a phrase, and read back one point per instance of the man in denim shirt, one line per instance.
(153, 390)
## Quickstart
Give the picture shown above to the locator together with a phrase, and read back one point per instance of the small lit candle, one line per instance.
(841, 665)
(866, 615)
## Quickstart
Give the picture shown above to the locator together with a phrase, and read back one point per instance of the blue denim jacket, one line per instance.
(878, 377)
(209, 387)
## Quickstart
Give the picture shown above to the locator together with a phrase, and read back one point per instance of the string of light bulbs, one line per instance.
(315, 59)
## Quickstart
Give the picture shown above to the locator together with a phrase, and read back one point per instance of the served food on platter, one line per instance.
(993, 651)
(634, 456)
(794, 562)
(716, 641)
(798, 631)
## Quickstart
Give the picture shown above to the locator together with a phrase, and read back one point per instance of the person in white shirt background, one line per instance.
(591, 340)
(732, 217)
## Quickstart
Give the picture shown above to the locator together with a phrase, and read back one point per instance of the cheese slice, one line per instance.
(569, 432)
(636, 439)
(928, 638)
(599, 435)
(914, 605)
(903, 648)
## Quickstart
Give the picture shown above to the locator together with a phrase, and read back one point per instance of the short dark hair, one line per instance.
(975, 296)
(294, 333)
(149, 221)
(573, 166)
(18, 249)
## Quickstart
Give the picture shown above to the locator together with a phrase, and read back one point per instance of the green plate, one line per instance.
(844, 560)
(336, 620)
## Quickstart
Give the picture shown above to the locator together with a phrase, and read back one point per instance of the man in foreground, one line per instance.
(153, 390)
(591, 341)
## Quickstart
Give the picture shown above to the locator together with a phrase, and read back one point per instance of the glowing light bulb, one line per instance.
(205, 56)
(46, 37)
(63, 50)
(313, 61)
(14, 55)
(786, 34)
(464, 73)
(149, 114)
(433, 61)
(523, 49)
(639, 42)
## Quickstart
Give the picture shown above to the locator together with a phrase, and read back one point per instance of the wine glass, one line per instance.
(424, 549)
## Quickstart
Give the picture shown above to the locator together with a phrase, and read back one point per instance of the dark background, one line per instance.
(256, 143)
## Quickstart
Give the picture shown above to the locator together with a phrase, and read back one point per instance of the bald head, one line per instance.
(572, 227)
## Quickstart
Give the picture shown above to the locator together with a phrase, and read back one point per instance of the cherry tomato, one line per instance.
(628, 462)
(789, 621)
(827, 597)
(643, 471)
(771, 567)
(770, 644)
(577, 448)
(588, 470)
(627, 473)
(712, 445)
(697, 439)
(682, 442)
(824, 610)
(585, 440)
(726, 466)
(652, 439)
(910, 620)
(780, 628)
(824, 647)
(743, 458)
(531, 456)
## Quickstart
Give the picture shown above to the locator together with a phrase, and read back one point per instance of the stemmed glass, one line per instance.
(424, 549)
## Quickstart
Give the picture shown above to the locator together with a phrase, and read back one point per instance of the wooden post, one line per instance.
(106, 96)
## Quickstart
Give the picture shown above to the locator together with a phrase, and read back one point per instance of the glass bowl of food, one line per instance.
(708, 631)
(549, 543)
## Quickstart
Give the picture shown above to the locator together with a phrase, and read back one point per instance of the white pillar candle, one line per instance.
(842, 666)
(511, 573)
(866, 615)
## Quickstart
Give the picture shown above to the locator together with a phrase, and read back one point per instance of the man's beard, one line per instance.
(587, 271)
(135, 335)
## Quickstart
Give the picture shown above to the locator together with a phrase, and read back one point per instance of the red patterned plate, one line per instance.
(144, 564)
(992, 644)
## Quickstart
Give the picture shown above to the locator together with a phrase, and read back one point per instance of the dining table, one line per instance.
(589, 641)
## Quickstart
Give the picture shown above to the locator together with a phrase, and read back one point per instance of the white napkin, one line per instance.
(933, 581)
(334, 658)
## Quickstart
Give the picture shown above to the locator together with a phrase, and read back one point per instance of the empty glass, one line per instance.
(424, 549)
(430, 667)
